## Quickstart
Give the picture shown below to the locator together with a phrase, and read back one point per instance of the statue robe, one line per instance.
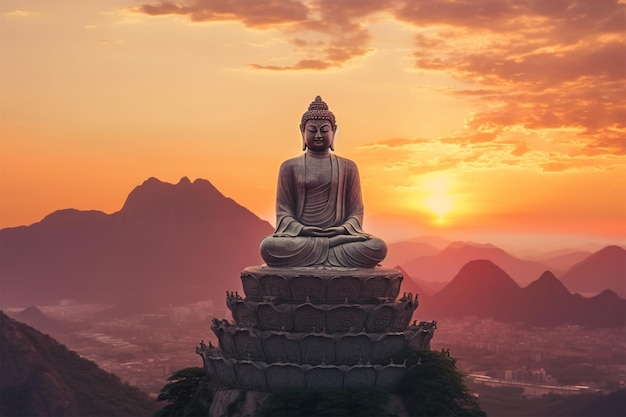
(337, 203)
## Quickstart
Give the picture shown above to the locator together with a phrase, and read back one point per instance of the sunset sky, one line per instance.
(470, 118)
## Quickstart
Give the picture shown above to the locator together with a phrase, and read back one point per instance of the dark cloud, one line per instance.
(337, 35)
(252, 13)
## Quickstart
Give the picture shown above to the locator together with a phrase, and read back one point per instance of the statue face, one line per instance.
(318, 135)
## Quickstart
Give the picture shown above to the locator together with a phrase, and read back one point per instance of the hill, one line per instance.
(443, 266)
(483, 289)
(562, 260)
(40, 377)
(604, 269)
(34, 317)
(399, 253)
(168, 244)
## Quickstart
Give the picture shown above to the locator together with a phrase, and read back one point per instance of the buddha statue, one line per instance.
(319, 207)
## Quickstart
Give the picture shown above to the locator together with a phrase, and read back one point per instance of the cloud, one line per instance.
(252, 13)
(334, 34)
(19, 14)
(557, 65)
(541, 65)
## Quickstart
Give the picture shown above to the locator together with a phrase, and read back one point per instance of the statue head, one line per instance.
(320, 119)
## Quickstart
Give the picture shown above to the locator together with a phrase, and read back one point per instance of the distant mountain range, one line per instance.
(174, 244)
(168, 244)
(599, 271)
(585, 273)
(444, 265)
(483, 289)
(40, 377)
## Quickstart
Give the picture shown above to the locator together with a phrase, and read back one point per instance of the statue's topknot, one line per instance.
(318, 110)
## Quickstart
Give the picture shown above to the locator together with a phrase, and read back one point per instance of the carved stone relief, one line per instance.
(352, 350)
(390, 375)
(324, 377)
(281, 349)
(275, 286)
(225, 341)
(271, 318)
(308, 319)
(248, 347)
(375, 288)
(251, 286)
(358, 376)
(244, 316)
(388, 347)
(311, 287)
(251, 377)
(380, 318)
(225, 372)
(316, 328)
(345, 319)
(394, 286)
(281, 376)
(344, 288)
(403, 317)
(317, 350)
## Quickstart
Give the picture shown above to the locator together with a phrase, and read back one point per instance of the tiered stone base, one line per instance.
(313, 328)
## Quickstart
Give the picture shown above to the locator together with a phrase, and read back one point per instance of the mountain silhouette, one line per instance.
(40, 377)
(562, 260)
(443, 266)
(483, 289)
(399, 253)
(604, 269)
(170, 243)
(34, 317)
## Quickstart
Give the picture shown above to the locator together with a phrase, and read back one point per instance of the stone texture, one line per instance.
(315, 327)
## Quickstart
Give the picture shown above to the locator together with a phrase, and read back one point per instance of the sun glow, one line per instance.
(437, 196)
(440, 204)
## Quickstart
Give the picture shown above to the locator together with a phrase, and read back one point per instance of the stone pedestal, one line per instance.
(315, 328)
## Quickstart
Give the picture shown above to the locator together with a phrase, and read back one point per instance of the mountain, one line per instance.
(604, 269)
(560, 261)
(40, 377)
(415, 287)
(37, 319)
(483, 289)
(168, 244)
(446, 264)
(399, 253)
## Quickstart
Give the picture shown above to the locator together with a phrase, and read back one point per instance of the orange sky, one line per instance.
(470, 117)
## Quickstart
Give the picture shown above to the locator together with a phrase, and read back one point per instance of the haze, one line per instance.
(493, 120)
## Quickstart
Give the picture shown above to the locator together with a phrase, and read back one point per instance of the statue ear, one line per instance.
(303, 141)
(332, 142)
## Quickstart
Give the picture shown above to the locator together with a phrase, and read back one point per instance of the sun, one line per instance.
(440, 204)
(437, 195)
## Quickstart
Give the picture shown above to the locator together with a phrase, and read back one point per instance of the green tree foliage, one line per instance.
(354, 402)
(188, 394)
(434, 387)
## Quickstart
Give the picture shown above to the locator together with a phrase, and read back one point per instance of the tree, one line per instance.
(187, 394)
(434, 387)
